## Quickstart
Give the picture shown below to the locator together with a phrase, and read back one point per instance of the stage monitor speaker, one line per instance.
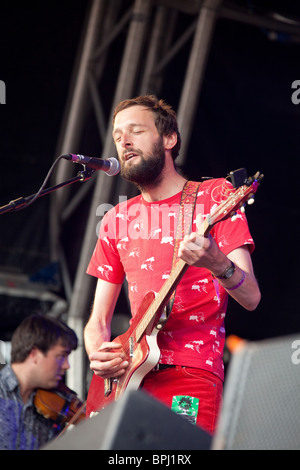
(135, 422)
(261, 407)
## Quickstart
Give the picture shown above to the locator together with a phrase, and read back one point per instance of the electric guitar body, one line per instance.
(141, 351)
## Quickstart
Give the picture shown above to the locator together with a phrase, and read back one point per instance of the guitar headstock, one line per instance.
(237, 199)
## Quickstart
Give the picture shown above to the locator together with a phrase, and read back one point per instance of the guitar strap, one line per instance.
(184, 225)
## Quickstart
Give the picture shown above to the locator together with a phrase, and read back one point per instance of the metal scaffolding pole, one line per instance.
(195, 72)
(101, 29)
(158, 44)
(75, 115)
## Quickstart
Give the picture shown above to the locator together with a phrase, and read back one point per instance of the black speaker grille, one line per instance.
(261, 408)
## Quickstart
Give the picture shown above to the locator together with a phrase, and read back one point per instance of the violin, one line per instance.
(61, 405)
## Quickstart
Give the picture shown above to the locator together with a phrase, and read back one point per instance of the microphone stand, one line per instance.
(18, 204)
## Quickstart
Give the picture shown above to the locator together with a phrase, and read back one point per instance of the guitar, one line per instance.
(139, 342)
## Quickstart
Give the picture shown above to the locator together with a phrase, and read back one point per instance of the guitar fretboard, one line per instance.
(168, 287)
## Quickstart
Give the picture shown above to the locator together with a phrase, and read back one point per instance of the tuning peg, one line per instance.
(243, 209)
(233, 218)
(250, 201)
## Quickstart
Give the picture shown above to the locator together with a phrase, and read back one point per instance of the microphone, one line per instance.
(111, 166)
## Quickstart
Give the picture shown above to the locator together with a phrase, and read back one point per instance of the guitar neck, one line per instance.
(161, 298)
(168, 287)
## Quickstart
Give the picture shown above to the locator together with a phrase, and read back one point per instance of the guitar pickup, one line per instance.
(107, 387)
(131, 346)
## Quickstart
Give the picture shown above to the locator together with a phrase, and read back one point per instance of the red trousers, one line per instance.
(193, 393)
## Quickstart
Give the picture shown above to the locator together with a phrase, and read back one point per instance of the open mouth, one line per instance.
(129, 156)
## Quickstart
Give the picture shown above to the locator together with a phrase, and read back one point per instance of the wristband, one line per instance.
(239, 283)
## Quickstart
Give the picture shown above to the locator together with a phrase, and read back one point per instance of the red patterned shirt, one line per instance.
(137, 240)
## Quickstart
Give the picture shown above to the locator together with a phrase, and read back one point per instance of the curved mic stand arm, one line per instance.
(24, 202)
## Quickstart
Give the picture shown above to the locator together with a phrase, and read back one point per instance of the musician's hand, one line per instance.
(202, 252)
(107, 361)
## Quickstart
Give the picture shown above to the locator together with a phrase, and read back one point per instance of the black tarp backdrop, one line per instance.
(38, 46)
(245, 118)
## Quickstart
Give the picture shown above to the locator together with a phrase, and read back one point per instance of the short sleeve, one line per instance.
(105, 262)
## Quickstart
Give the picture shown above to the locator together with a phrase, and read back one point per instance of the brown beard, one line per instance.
(148, 172)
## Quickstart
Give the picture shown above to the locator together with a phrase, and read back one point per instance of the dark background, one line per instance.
(245, 118)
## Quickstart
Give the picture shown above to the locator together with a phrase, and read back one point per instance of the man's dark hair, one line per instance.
(165, 116)
(41, 332)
